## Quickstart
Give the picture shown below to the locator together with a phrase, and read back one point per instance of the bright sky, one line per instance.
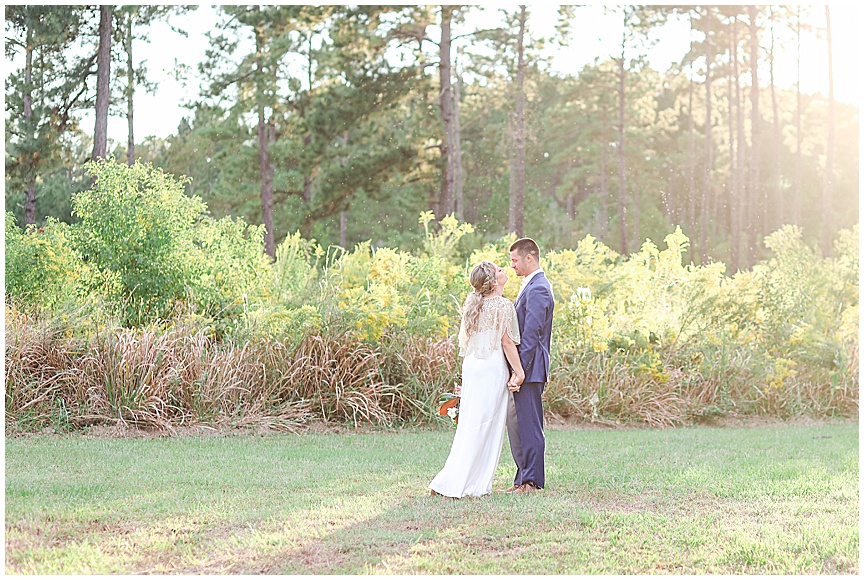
(594, 34)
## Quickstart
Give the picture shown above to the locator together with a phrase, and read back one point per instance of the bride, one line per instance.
(488, 337)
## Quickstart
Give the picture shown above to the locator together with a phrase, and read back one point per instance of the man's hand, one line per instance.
(515, 382)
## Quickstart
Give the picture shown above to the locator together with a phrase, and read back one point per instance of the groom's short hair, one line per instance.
(526, 246)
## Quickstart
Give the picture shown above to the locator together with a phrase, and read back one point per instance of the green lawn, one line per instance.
(778, 499)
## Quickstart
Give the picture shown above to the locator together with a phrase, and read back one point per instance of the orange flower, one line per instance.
(447, 405)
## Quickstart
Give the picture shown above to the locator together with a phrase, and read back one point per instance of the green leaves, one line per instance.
(43, 268)
(136, 224)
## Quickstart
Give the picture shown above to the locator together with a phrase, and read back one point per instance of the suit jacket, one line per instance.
(534, 308)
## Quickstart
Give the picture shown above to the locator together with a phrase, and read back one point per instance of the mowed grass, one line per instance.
(776, 499)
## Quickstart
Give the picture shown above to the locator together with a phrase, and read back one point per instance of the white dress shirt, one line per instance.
(527, 279)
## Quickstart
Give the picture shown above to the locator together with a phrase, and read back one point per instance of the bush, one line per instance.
(136, 230)
(232, 275)
(43, 269)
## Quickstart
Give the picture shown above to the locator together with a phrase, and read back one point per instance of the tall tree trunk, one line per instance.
(30, 190)
(517, 165)
(307, 178)
(828, 188)
(343, 215)
(691, 169)
(265, 170)
(445, 100)
(457, 150)
(103, 84)
(744, 203)
(668, 198)
(734, 231)
(343, 229)
(691, 146)
(777, 218)
(709, 146)
(130, 92)
(756, 195)
(637, 203)
(307, 139)
(796, 196)
(306, 194)
(604, 182)
(622, 183)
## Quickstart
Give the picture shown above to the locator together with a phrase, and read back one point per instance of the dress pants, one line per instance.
(525, 431)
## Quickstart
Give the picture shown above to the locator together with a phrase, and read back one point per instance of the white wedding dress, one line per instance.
(476, 449)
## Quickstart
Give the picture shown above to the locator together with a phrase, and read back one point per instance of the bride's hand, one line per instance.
(515, 381)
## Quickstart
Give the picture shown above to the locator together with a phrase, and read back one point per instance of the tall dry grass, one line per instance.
(40, 373)
(598, 388)
(162, 379)
(605, 389)
(421, 369)
(181, 377)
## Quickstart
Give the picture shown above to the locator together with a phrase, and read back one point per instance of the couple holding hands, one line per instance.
(505, 351)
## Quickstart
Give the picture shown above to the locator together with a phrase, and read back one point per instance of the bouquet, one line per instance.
(449, 405)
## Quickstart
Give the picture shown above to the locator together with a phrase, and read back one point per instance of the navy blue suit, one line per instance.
(534, 309)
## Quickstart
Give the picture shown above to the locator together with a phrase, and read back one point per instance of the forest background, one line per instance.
(335, 127)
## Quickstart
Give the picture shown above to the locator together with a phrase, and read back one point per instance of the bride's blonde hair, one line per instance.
(483, 279)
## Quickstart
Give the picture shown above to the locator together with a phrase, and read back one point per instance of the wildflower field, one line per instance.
(148, 312)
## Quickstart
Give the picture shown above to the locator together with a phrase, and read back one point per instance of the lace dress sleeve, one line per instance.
(463, 339)
(511, 323)
(497, 316)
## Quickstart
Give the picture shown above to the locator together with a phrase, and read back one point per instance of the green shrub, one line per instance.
(296, 269)
(136, 230)
(43, 269)
(231, 270)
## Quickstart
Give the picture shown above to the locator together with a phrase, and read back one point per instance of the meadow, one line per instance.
(148, 312)
(772, 499)
(148, 316)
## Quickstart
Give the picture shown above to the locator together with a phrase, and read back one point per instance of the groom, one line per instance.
(534, 307)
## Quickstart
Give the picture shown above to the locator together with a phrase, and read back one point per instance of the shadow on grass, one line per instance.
(682, 501)
(427, 535)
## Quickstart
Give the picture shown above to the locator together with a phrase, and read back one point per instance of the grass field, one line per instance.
(774, 499)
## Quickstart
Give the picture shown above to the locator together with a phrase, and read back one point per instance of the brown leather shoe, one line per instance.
(512, 488)
(527, 488)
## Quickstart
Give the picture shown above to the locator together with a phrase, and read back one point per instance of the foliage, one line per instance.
(348, 99)
(136, 230)
(210, 329)
(43, 268)
(388, 289)
(232, 270)
(41, 98)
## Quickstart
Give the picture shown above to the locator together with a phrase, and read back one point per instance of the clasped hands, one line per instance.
(512, 385)
(515, 381)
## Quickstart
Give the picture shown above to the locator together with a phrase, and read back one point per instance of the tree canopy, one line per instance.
(346, 123)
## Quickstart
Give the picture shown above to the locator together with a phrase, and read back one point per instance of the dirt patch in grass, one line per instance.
(757, 421)
(553, 422)
(559, 424)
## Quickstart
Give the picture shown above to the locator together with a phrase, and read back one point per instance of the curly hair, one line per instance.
(483, 279)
